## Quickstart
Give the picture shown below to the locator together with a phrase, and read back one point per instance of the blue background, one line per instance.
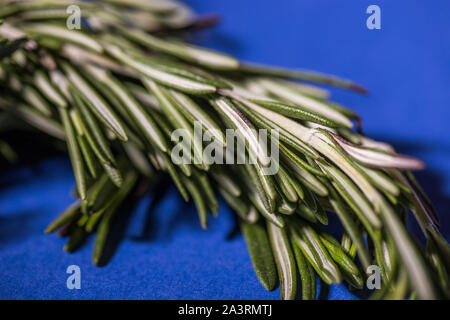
(406, 67)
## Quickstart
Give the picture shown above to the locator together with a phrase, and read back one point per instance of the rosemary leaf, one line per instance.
(136, 111)
(70, 214)
(309, 242)
(204, 57)
(75, 154)
(260, 253)
(284, 260)
(63, 34)
(176, 82)
(307, 274)
(96, 103)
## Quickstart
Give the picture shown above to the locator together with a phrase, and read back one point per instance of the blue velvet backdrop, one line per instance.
(406, 67)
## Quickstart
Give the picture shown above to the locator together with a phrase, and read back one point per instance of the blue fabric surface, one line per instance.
(406, 67)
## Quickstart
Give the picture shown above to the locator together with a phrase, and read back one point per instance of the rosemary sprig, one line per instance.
(115, 92)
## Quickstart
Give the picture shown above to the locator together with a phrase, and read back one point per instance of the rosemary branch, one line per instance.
(117, 89)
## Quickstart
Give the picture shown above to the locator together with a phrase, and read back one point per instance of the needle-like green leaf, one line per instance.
(285, 261)
(286, 184)
(294, 111)
(34, 118)
(198, 199)
(413, 260)
(63, 34)
(239, 205)
(244, 127)
(105, 223)
(93, 132)
(263, 186)
(70, 214)
(311, 203)
(348, 267)
(170, 80)
(177, 179)
(139, 160)
(204, 57)
(272, 217)
(177, 119)
(303, 75)
(96, 102)
(88, 156)
(194, 112)
(285, 206)
(305, 102)
(35, 99)
(74, 152)
(309, 242)
(48, 90)
(136, 111)
(377, 158)
(352, 196)
(260, 253)
(307, 178)
(381, 180)
(77, 237)
(223, 179)
(307, 274)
